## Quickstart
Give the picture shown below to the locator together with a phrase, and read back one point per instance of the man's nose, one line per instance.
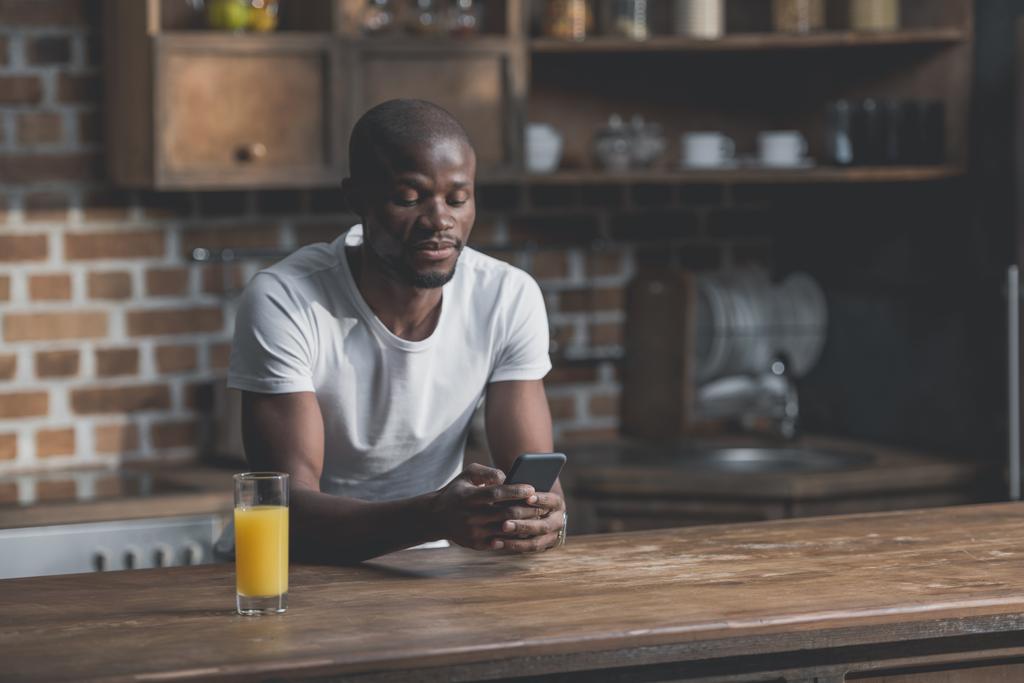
(438, 215)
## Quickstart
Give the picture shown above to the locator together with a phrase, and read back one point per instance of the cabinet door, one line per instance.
(247, 111)
(478, 84)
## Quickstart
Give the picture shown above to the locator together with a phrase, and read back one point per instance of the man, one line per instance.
(362, 361)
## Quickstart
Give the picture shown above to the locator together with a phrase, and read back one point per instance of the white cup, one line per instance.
(700, 18)
(543, 148)
(706, 149)
(781, 148)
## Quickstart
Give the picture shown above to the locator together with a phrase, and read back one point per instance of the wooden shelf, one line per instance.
(819, 174)
(739, 42)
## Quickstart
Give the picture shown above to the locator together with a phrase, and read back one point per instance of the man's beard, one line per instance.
(403, 270)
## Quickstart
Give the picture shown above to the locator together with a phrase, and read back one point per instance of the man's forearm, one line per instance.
(326, 528)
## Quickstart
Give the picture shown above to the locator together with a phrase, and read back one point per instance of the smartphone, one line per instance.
(539, 470)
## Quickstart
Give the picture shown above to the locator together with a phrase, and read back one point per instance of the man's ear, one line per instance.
(354, 196)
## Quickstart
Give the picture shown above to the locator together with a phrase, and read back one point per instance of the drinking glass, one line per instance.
(261, 543)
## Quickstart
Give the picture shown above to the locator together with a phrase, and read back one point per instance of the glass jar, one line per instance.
(798, 16)
(227, 15)
(425, 18)
(378, 17)
(628, 19)
(464, 18)
(568, 19)
(263, 15)
(875, 15)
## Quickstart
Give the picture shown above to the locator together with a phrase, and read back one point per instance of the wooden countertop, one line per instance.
(635, 467)
(828, 585)
(192, 490)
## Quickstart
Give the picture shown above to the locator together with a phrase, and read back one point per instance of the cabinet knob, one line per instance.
(101, 560)
(252, 152)
(193, 553)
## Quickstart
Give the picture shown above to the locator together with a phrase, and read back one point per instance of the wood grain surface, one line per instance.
(648, 598)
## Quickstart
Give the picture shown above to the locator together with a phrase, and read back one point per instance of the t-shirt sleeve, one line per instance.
(272, 349)
(524, 355)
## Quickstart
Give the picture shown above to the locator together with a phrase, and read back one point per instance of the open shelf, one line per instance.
(739, 42)
(818, 174)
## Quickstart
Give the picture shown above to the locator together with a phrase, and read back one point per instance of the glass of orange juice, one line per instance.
(261, 542)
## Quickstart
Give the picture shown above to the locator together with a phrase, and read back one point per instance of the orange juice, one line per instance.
(261, 550)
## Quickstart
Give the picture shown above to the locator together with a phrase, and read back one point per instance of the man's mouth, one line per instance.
(436, 251)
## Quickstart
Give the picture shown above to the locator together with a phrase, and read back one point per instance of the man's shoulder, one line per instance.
(485, 272)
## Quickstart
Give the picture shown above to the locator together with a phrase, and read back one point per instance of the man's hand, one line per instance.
(471, 510)
(523, 534)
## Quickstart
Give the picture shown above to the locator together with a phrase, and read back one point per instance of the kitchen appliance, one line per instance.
(100, 546)
(706, 350)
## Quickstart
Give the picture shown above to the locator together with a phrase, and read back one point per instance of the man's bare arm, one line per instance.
(519, 421)
(285, 433)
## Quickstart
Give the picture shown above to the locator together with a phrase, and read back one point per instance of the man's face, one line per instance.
(419, 219)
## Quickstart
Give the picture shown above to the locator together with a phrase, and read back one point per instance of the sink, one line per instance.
(771, 460)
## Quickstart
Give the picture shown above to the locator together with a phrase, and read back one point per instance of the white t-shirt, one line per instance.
(396, 412)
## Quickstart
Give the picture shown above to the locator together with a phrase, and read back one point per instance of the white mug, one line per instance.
(781, 148)
(543, 148)
(700, 18)
(706, 149)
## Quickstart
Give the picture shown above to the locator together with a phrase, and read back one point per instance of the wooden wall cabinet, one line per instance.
(198, 109)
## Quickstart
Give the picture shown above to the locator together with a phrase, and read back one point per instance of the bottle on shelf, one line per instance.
(875, 15)
(464, 18)
(798, 16)
(568, 19)
(425, 18)
(699, 18)
(628, 19)
(379, 17)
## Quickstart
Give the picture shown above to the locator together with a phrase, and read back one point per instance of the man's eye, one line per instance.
(458, 201)
(405, 201)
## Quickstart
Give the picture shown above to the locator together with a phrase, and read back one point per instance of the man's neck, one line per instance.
(408, 312)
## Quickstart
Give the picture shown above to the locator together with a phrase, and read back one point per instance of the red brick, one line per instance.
(8, 446)
(23, 247)
(8, 365)
(247, 237)
(49, 287)
(112, 285)
(603, 405)
(124, 399)
(5, 287)
(74, 88)
(55, 442)
(606, 334)
(43, 12)
(220, 355)
(571, 374)
(583, 300)
(47, 206)
(114, 362)
(90, 127)
(116, 438)
(20, 89)
(106, 205)
(40, 128)
(24, 404)
(56, 363)
(549, 265)
(604, 263)
(43, 326)
(562, 407)
(173, 434)
(34, 168)
(55, 490)
(114, 245)
(179, 358)
(222, 278)
(166, 281)
(49, 50)
(174, 321)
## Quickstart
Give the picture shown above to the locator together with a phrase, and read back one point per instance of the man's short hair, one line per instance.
(384, 136)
